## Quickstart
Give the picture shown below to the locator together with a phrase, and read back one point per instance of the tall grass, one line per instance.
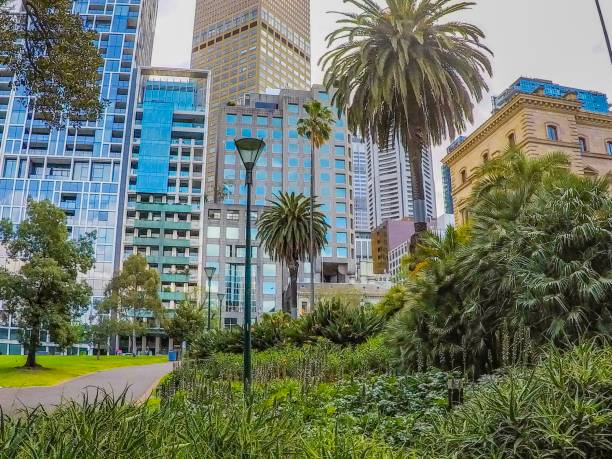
(309, 365)
(218, 426)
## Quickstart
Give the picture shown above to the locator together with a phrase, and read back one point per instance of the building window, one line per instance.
(463, 175)
(511, 139)
(230, 118)
(9, 167)
(609, 146)
(213, 232)
(552, 133)
(485, 157)
(583, 144)
(342, 252)
(269, 269)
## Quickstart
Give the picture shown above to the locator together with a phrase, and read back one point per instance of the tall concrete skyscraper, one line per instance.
(390, 184)
(249, 46)
(81, 169)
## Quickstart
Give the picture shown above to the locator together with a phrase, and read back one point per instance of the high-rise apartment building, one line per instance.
(78, 168)
(285, 165)
(250, 46)
(390, 184)
(164, 186)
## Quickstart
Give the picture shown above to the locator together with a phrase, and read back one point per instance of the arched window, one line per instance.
(485, 157)
(463, 175)
(583, 144)
(511, 139)
(552, 133)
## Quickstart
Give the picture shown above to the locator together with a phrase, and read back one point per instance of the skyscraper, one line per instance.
(250, 46)
(284, 165)
(390, 184)
(79, 168)
(163, 201)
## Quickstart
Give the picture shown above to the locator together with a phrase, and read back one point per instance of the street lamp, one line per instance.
(210, 272)
(604, 28)
(249, 150)
(220, 297)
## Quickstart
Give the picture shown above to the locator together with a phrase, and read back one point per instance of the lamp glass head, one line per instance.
(210, 271)
(249, 149)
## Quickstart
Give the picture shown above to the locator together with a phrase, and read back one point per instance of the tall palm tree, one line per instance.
(316, 128)
(283, 229)
(403, 73)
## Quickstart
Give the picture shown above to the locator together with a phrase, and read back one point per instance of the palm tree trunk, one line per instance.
(293, 267)
(33, 346)
(414, 149)
(310, 226)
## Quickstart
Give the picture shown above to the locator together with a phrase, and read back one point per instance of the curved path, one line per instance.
(139, 380)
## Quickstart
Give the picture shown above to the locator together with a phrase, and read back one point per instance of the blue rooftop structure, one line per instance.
(592, 101)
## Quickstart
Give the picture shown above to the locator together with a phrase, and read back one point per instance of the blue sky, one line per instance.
(559, 40)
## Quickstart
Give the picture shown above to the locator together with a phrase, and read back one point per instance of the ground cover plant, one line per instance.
(57, 368)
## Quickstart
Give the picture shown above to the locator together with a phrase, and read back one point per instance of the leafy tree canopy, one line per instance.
(42, 290)
(56, 61)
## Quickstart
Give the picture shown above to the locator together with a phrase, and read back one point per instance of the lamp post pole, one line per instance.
(605, 30)
(210, 272)
(220, 297)
(249, 150)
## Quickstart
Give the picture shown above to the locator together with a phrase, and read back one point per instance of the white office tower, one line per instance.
(390, 184)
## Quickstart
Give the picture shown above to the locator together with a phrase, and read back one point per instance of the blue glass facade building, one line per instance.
(78, 168)
(592, 101)
(163, 201)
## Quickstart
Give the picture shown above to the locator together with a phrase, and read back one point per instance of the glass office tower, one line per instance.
(79, 169)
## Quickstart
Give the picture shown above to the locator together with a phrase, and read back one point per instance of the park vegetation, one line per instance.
(44, 291)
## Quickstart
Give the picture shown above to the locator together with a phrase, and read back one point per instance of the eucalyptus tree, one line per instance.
(54, 57)
(44, 291)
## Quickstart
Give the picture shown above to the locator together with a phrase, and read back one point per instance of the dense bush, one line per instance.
(333, 319)
(561, 409)
(533, 267)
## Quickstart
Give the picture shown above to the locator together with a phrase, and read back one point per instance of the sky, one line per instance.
(559, 40)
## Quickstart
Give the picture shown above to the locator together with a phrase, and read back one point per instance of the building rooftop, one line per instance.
(592, 101)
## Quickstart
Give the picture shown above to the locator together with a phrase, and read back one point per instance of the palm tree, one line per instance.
(316, 128)
(283, 229)
(402, 73)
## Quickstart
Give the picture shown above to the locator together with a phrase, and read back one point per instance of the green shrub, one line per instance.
(333, 319)
(562, 408)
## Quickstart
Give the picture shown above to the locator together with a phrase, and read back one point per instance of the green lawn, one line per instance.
(58, 368)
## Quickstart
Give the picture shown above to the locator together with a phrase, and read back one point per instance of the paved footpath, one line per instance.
(139, 380)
